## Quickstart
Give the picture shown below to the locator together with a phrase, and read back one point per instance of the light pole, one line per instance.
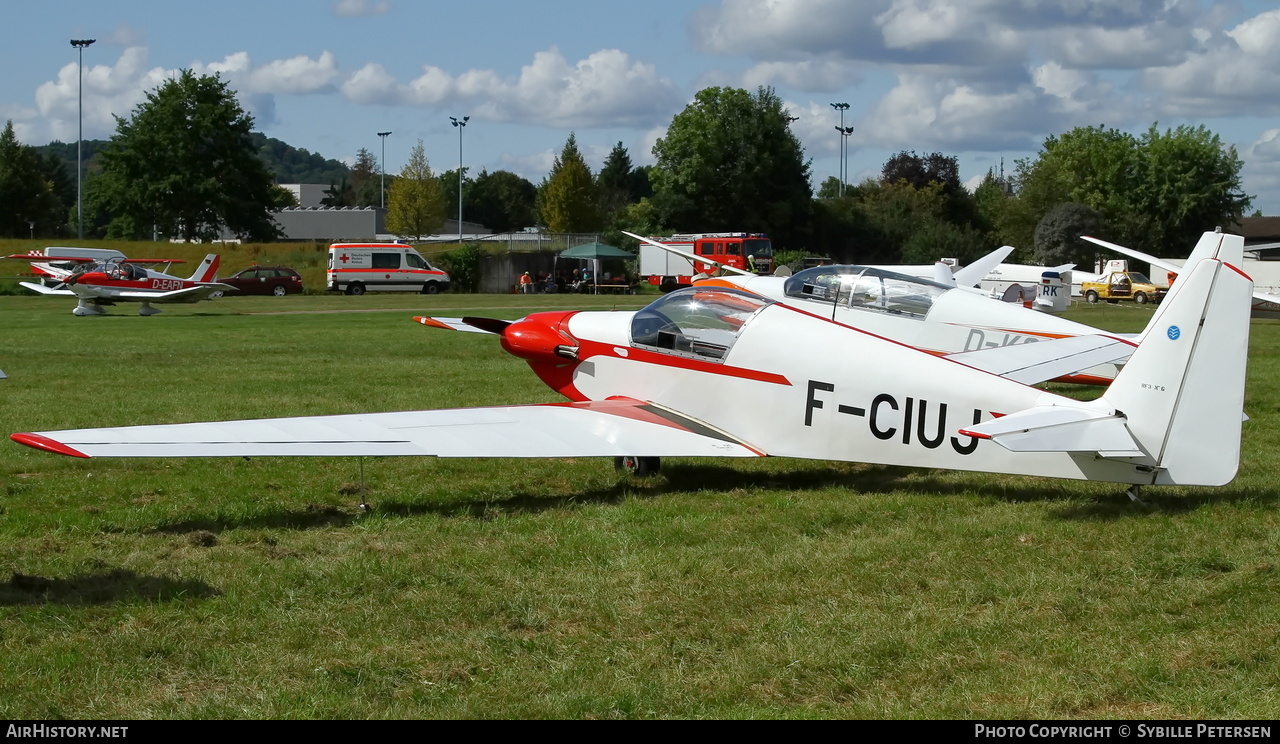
(383, 135)
(460, 124)
(841, 107)
(80, 44)
(844, 160)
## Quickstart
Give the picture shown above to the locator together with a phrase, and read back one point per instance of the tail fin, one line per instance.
(207, 271)
(1182, 391)
(1054, 295)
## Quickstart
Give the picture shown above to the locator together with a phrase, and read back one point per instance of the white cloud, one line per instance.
(297, 76)
(361, 8)
(811, 76)
(107, 90)
(1232, 71)
(606, 89)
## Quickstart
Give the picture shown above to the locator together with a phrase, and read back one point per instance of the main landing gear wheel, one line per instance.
(638, 466)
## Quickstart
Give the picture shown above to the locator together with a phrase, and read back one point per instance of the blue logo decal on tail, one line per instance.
(1173, 333)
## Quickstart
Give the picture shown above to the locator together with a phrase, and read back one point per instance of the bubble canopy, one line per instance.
(865, 288)
(699, 322)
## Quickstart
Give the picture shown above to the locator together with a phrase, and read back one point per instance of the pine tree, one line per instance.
(567, 198)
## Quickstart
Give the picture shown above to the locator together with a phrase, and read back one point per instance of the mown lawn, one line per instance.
(561, 589)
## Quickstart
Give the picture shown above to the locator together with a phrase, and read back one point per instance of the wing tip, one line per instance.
(428, 321)
(40, 442)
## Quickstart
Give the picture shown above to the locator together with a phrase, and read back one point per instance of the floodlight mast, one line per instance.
(841, 107)
(460, 124)
(384, 136)
(79, 44)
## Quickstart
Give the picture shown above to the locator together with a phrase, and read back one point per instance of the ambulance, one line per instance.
(356, 268)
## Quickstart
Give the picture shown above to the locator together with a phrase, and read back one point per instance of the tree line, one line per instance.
(187, 163)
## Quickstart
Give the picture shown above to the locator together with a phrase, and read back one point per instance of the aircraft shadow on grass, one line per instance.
(685, 478)
(100, 587)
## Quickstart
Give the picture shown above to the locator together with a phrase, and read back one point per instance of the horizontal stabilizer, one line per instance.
(609, 428)
(1047, 360)
(1059, 429)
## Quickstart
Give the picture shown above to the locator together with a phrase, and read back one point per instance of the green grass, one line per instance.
(560, 589)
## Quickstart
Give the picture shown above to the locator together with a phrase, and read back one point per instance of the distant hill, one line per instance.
(289, 164)
(292, 165)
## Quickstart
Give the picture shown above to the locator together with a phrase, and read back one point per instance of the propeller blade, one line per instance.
(492, 325)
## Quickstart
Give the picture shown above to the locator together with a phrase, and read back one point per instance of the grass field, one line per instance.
(769, 588)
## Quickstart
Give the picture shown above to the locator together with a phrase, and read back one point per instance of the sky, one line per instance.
(985, 81)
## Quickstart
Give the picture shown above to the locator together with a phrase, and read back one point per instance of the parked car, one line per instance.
(272, 280)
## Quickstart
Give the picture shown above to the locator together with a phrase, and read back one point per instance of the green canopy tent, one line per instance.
(595, 252)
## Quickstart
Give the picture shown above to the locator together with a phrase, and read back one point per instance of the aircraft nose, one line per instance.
(541, 337)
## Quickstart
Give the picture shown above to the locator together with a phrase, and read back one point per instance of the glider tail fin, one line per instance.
(207, 271)
(1054, 294)
(1182, 392)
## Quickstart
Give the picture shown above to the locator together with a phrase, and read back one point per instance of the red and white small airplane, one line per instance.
(716, 371)
(106, 281)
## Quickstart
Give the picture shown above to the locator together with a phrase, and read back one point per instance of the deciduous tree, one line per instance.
(1156, 192)
(185, 163)
(501, 201)
(27, 192)
(729, 161)
(415, 206)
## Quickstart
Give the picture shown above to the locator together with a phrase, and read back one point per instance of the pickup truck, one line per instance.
(1123, 285)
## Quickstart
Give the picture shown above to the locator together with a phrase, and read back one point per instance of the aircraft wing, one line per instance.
(614, 427)
(969, 276)
(1258, 296)
(46, 290)
(190, 294)
(1049, 359)
(700, 259)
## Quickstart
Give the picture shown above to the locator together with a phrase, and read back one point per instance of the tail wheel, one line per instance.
(638, 466)
(1091, 296)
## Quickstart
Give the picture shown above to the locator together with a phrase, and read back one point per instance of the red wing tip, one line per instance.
(974, 434)
(426, 321)
(45, 443)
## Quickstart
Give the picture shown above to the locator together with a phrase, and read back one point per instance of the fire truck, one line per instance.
(741, 250)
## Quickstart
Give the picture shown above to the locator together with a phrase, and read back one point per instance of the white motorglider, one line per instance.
(940, 318)
(98, 283)
(1265, 305)
(715, 371)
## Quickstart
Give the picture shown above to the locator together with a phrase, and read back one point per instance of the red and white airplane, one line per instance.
(100, 282)
(716, 371)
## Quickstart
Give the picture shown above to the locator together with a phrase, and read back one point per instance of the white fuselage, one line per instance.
(837, 393)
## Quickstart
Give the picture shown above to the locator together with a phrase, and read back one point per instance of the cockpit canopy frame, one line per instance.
(698, 322)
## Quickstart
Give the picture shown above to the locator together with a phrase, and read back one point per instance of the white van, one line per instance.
(356, 268)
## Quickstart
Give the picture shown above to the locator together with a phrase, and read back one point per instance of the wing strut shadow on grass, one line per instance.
(101, 587)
